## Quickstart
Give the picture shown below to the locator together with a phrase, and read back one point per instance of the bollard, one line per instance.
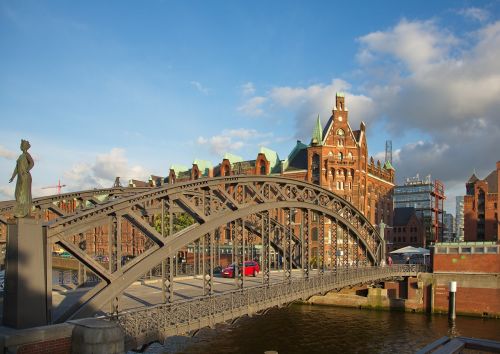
(451, 304)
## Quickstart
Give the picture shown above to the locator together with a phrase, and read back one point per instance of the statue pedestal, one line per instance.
(26, 303)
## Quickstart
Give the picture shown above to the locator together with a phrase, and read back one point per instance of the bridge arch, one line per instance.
(213, 203)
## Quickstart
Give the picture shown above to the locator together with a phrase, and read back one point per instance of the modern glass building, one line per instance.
(427, 197)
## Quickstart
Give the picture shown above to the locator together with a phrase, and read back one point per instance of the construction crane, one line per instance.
(59, 187)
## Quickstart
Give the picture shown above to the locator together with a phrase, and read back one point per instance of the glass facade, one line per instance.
(421, 195)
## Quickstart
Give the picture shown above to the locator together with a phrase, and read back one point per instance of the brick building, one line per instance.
(481, 207)
(407, 230)
(337, 159)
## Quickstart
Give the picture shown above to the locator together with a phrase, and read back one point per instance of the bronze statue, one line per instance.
(23, 185)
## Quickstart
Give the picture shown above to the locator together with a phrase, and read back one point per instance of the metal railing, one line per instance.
(157, 322)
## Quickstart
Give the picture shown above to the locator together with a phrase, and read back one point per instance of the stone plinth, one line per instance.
(25, 298)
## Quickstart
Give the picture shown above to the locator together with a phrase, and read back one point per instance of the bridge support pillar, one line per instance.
(97, 336)
(28, 284)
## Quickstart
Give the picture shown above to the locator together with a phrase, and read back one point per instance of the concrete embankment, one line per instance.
(477, 295)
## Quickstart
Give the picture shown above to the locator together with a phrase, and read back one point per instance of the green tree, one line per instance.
(181, 221)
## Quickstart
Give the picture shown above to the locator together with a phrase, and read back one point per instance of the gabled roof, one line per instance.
(403, 215)
(473, 178)
(327, 127)
(232, 158)
(297, 159)
(272, 157)
(203, 166)
(137, 183)
(179, 169)
(492, 180)
(357, 135)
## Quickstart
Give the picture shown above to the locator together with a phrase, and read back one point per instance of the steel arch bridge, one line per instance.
(67, 203)
(281, 212)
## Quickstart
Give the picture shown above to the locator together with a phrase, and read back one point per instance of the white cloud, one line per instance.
(7, 192)
(253, 106)
(421, 78)
(231, 140)
(200, 87)
(474, 13)
(102, 172)
(8, 154)
(248, 89)
(415, 43)
(449, 90)
(309, 101)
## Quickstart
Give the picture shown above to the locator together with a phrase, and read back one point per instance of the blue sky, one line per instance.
(128, 88)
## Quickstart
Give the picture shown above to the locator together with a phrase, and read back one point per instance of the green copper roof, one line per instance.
(340, 94)
(317, 137)
(388, 166)
(232, 158)
(272, 157)
(203, 166)
(178, 168)
(298, 147)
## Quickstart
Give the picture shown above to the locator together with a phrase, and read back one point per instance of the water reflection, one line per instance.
(318, 329)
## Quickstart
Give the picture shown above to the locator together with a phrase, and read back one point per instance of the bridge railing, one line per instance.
(153, 323)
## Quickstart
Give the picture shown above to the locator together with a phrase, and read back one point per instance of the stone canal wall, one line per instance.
(477, 295)
(74, 337)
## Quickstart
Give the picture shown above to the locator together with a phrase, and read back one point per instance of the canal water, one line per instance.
(321, 329)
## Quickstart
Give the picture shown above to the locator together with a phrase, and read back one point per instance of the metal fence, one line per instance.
(157, 322)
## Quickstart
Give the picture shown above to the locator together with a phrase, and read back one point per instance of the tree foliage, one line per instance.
(180, 222)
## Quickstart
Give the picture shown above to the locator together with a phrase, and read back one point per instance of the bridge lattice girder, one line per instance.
(53, 203)
(213, 203)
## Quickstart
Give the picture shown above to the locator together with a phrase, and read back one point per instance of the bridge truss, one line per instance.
(305, 224)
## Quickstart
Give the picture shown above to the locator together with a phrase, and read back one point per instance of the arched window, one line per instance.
(315, 168)
(340, 156)
(262, 168)
(349, 156)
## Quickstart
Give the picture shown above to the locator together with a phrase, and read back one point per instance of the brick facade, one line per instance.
(338, 161)
(481, 208)
(407, 230)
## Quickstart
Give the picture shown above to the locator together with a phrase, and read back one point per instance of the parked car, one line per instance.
(251, 268)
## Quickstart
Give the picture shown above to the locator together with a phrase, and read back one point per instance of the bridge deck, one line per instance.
(152, 323)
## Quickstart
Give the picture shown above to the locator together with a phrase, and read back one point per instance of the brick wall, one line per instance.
(54, 339)
(56, 346)
(476, 301)
(469, 263)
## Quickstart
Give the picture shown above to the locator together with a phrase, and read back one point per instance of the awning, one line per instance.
(411, 250)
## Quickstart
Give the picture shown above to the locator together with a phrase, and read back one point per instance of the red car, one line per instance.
(251, 268)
